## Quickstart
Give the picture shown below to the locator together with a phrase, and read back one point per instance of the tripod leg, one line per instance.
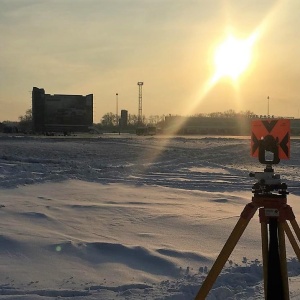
(282, 253)
(275, 284)
(264, 241)
(292, 239)
(296, 228)
(234, 237)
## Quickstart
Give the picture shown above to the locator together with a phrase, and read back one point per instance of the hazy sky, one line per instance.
(105, 47)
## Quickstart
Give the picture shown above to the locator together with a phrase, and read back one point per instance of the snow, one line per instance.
(127, 217)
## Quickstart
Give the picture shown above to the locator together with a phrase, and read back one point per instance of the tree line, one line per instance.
(110, 120)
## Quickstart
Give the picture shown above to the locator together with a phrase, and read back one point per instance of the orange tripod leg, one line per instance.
(296, 228)
(292, 239)
(234, 237)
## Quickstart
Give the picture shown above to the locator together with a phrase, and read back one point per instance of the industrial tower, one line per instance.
(140, 115)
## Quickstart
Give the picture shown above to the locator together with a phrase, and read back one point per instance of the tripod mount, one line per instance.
(268, 182)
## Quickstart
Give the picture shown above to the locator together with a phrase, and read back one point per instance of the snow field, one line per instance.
(122, 217)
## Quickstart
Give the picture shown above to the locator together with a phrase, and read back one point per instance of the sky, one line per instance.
(105, 47)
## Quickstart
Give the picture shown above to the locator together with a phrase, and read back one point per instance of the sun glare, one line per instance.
(232, 57)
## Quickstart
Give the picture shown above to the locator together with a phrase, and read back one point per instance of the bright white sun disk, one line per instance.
(232, 57)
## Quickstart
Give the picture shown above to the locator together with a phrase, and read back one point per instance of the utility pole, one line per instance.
(117, 109)
(140, 115)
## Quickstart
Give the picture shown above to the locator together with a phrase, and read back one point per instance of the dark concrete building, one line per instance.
(236, 125)
(61, 113)
(124, 118)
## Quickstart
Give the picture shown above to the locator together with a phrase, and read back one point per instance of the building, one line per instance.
(234, 125)
(124, 118)
(238, 125)
(61, 113)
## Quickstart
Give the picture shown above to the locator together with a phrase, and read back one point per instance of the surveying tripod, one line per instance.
(270, 197)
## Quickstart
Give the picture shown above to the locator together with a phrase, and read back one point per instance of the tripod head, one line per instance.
(268, 183)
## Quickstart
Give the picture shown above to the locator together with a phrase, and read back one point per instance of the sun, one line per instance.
(232, 57)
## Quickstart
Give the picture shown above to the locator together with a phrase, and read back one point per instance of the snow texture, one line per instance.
(127, 217)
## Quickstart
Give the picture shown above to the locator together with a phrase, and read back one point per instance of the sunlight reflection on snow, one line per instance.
(209, 170)
(58, 248)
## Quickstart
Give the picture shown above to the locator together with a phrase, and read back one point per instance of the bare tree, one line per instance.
(109, 119)
(25, 122)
